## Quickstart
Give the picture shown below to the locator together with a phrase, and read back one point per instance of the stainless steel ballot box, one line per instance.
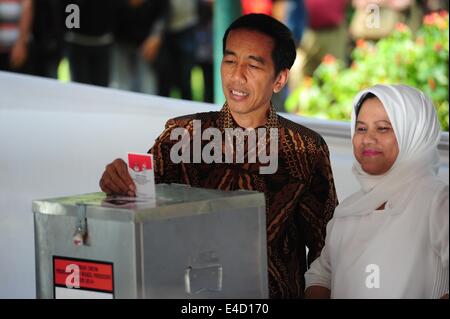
(187, 243)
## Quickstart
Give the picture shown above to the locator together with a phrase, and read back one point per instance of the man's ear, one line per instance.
(281, 80)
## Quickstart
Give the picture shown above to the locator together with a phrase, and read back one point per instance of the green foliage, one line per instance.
(421, 62)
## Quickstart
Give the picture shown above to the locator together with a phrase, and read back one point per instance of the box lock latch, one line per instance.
(81, 232)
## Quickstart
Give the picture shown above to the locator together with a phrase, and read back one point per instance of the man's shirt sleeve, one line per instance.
(165, 170)
(318, 203)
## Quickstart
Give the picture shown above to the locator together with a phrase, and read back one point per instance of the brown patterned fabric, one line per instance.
(300, 196)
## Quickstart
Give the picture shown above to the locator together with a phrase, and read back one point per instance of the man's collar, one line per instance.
(226, 119)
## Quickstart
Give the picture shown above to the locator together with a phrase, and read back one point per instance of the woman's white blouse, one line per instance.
(398, 252)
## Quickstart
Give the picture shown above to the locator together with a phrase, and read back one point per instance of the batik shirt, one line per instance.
(300, 196)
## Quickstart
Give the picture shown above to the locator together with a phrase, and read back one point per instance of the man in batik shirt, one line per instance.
(299, 187)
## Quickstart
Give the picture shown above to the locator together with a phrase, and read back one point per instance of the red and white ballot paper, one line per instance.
(141, 169)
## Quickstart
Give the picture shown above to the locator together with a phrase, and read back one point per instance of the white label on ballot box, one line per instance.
(141, 169)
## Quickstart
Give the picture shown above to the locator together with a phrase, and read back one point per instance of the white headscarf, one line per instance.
(415, 124)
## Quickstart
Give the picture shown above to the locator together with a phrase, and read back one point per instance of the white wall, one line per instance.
(55, 140)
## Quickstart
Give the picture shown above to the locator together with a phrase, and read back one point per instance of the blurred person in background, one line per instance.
(293, 14)
(15, 26)
(256, 6)
(434, 5)
(327, 33)
(135, 48)
(89, 46)
(47, 38)
(390, 13)
(204, 52)
(177, 47)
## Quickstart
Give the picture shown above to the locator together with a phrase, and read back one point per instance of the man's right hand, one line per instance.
(117, 180)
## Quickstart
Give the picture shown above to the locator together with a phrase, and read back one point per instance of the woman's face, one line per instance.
(374, 143)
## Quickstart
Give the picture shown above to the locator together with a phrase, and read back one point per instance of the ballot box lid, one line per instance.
(172, 200)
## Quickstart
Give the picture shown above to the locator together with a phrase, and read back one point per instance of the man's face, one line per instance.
(248, 72)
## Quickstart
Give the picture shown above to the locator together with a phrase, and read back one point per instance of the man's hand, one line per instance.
(117, 180)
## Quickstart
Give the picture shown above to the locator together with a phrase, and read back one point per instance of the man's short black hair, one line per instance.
(283, 54)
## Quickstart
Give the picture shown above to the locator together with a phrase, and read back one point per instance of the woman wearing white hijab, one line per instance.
(390, 239)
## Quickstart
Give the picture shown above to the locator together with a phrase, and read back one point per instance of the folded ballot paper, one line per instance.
(141, 169)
